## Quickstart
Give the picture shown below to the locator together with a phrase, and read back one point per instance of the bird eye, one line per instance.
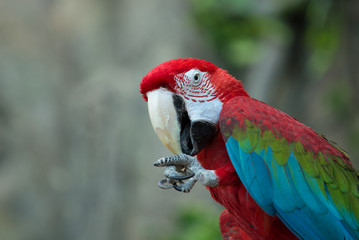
(196, 78)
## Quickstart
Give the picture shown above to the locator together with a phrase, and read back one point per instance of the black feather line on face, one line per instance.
(185, 124)
(194, 136)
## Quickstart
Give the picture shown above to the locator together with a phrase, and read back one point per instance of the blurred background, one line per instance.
(76, 144)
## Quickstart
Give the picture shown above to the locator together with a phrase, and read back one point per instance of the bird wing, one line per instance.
(291, 171)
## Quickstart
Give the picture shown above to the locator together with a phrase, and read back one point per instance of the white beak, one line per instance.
(163, 117)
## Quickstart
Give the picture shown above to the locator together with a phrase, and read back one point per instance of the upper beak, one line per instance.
(163, 117)
(173, 126)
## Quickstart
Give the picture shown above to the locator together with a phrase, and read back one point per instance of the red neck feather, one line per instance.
(227, 86)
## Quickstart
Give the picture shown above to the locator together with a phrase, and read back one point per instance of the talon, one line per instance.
(179, 188)
(184, 187)
(175, 173)
(164, 184)
(181, 177)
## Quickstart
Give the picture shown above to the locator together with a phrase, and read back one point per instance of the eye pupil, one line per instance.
(196, 77)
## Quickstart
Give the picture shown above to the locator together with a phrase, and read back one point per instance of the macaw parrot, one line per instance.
(276, 177)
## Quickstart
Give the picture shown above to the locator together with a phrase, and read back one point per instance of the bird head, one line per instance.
(185, 99)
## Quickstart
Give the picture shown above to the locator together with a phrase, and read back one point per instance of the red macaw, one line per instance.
(276, 177)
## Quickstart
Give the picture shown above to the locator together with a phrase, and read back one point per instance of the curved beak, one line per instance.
(173, 126)
(163, 117)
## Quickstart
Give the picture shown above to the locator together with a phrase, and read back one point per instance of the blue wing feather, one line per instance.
(244, 166)
(313, 192)
(309, 225)
(287, 195)
(302, 187)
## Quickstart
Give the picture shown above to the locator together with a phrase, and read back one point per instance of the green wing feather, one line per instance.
(331, 179)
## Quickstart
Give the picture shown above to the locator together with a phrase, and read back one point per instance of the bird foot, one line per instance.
(183, 171)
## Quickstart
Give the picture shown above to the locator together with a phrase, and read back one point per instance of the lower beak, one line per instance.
(164, 120)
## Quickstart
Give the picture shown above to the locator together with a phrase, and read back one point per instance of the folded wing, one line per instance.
(291, 171)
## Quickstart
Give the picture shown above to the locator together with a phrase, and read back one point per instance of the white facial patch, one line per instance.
(209, 111)
(199, 95)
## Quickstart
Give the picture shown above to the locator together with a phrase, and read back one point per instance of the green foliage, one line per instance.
(322, 35)
(292, 46)
(195, 223)
(238, 30)
(338, 99)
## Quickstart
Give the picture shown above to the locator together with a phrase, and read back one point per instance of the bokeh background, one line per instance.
(76, 144)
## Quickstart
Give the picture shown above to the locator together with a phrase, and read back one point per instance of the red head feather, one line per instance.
(163, 76)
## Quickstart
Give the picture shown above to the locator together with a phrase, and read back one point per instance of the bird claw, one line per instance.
(179, 177)
(165, 184)
(180, 160)
(177, 170)
(178, 173)
(177, 185)
(185, 187)
(184, 167)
